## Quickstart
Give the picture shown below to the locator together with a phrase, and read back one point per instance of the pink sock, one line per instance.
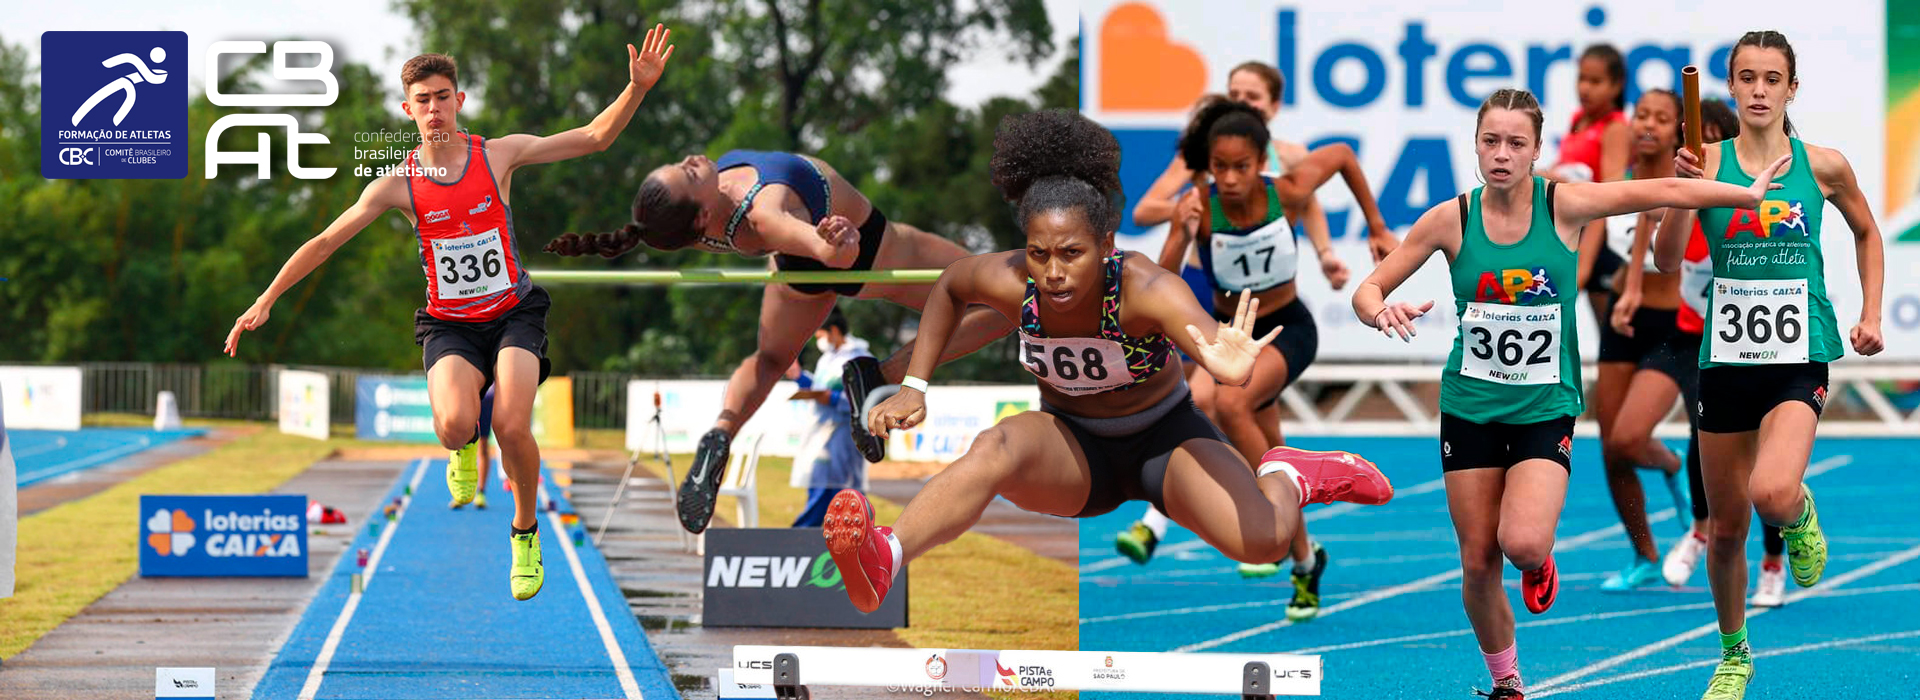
(1504, 664)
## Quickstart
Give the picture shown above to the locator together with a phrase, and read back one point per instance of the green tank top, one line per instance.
(1768, 297)
(1258, 257)
(1516, 356)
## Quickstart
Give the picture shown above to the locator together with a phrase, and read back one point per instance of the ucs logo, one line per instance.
(76, 156)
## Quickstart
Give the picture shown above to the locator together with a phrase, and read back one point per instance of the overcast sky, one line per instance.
(371, 32)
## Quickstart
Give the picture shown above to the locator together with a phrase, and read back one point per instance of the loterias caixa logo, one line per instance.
(114, 105)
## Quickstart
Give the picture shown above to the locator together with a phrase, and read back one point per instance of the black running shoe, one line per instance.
(702, 488)
(859, 377)
(1306, 589)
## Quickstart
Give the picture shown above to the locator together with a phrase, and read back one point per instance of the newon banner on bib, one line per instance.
(1401, 83)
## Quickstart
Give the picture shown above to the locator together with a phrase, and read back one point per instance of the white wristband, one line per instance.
(912, 382)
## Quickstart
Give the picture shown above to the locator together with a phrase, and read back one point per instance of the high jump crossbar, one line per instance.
(724, 276)
(789, 670)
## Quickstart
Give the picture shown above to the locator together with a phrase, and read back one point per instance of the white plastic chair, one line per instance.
(741, 482)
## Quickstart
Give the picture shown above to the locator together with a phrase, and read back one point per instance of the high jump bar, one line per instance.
(721, 276)
(790, 669)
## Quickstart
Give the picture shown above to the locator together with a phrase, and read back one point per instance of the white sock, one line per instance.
(899, 563)
(1155, 521)
(1299, 481)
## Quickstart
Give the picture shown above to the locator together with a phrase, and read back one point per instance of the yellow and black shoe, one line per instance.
(529, 572)
(463, 474)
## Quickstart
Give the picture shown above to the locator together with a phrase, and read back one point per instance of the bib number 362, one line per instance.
(470, 266)
(1511, 344)
(1759, 321)
(1076, 365)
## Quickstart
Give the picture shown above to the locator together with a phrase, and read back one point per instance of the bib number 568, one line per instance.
(1091, 363)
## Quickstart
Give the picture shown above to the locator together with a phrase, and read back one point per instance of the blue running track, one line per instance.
(437, 621)
(1392, 624)
(39, 455)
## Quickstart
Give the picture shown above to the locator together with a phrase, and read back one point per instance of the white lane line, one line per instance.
(88, 459)
(1853, 641)
(627, 683)
(1612, 615)
(1576, 542)
(1311, 516)
(1893, 560)
(320, 663)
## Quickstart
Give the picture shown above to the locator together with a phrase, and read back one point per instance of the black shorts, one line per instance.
(1733, 399)
(871, 233)
(1299, 340)
(1604, 265)
(523, 326)
(1133, 467)
(1655, 345)
(1465, 444)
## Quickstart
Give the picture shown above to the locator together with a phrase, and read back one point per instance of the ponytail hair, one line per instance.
(659, 221)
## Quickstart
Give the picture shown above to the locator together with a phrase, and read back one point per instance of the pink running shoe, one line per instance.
(1326, 477)
(859, 549)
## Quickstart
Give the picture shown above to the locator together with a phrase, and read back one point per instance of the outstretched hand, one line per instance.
(644, 65)
(1397, 317)
(1229, 357)
(1757, 192)
(253, 319)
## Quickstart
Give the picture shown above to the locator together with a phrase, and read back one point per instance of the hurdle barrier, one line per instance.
(733, 276)
(792, 670)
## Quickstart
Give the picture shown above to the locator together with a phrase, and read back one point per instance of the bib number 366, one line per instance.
(1511, 344)
(1759, 321)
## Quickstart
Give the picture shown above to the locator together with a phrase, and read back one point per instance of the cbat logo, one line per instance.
(484, 205)
(284, 71)
(1142, 68)
(170, 532)
(1774, 216)
(936, 667)
(1514, 285)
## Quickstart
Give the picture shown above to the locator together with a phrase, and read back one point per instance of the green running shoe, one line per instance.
(463, 474)
(1806, 546)
(1731, 676)
(528, 573)
(1137, 542)
(1259, 570)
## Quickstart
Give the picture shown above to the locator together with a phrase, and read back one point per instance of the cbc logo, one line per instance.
(76, 156)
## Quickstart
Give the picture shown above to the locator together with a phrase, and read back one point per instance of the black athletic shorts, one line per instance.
(523, 326)
(1733, 399)
(1133, 466)
(1604, 265)
(1655, 344)
(1465, 444)
(871, 233)
(1299, 340)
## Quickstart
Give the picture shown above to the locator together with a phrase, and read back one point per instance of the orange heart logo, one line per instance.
(1141, 68)
(182, 523)
(161, 542)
